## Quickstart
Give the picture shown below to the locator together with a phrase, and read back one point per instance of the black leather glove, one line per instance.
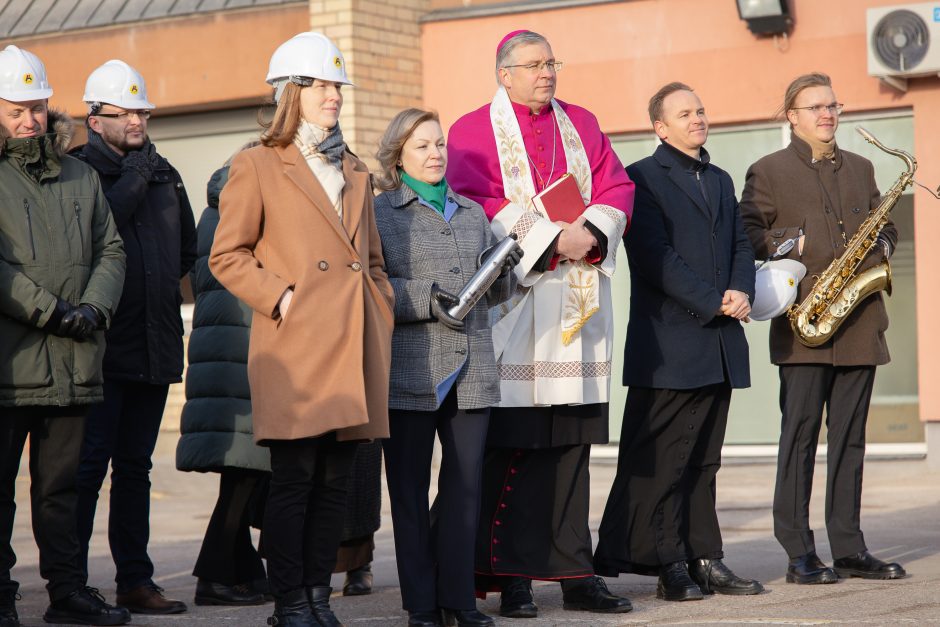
(81, 322)
(441, 301)
(511, 261)
(54, 324)
(137, 161)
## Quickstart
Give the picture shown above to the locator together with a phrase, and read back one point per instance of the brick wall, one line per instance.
(381, 42)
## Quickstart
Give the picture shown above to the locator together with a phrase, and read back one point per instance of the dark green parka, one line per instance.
(57, 240)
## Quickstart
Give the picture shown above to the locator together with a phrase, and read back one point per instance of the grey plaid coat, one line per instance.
(420, 249)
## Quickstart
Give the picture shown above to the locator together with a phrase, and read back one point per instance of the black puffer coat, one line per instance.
(155, 220)
(216, 422)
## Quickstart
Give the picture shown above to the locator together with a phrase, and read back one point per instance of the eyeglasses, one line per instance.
(554, 66)
(834, 109)
(143, 114)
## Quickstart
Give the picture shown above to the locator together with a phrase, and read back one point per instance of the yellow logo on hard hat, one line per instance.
(791, 282)
(28, 79)
(134, 89)
(338, 63)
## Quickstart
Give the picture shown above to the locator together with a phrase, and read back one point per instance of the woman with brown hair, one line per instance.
(443, 377)
(297, 242)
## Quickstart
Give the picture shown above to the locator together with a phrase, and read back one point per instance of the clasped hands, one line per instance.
(75, 322)
(575, 240)
(735, 304)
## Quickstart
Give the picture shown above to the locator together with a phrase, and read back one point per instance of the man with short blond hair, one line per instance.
(819, 195)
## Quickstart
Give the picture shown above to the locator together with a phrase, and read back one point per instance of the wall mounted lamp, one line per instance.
(766, 17)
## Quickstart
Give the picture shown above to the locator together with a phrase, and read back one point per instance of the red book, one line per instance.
(561, 200)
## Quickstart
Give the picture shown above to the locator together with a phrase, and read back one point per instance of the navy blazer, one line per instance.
(684, 252)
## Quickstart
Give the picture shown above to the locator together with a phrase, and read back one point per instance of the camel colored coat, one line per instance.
(325, 366)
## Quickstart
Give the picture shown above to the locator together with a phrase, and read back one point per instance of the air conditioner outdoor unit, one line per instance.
(904, 42)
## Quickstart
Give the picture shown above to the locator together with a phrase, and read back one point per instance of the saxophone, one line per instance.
(840, 289)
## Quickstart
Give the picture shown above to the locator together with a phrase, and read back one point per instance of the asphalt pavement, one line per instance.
(900, 516)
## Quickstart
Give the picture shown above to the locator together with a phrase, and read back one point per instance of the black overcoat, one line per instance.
(684, 252)
(155, 220)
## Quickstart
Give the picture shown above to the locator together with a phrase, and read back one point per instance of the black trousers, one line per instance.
(435, 562)
(845, 393)
(303, 517)
(55, 436)
(121, 431)
(227, 555)
(661, 508)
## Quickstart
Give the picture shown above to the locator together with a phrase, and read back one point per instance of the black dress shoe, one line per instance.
(675, 584)
(292, 610)
(262, 587)
(212, 593)
(85, 606)
(867, 566)
(425, 619)
(467, 618)
(516, 599)
(8, 615)
(714, 576)
(358, 582)
(590, 594)
(809, 569)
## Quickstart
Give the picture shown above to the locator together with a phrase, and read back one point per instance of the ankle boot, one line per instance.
(292, 610)
(319, 599)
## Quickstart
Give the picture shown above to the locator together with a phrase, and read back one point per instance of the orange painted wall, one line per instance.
(617, 55)
(195, 63)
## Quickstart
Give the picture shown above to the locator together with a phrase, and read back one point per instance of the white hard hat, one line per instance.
(307, 55)
(116, 83)
(22, 76)
(775, 288)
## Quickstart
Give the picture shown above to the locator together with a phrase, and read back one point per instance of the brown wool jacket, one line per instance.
(324, 367)
(784, 193)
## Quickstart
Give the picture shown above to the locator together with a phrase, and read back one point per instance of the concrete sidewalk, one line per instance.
(900, 515)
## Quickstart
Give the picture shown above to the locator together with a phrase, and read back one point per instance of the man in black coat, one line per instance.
(692, 278)
(144, 352)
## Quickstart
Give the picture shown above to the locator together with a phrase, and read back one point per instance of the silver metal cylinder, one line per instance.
(483, 278)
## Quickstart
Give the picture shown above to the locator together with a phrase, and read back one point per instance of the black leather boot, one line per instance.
(85, 606)
(675, 584)
(358, 581)
(809, 569)
(292, 610)
(319, 598)
(714, 576)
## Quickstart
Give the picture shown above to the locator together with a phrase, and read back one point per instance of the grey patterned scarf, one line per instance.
(331, 147)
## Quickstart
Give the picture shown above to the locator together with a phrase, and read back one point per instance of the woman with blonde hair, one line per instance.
(297, 242)
(443, 377)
